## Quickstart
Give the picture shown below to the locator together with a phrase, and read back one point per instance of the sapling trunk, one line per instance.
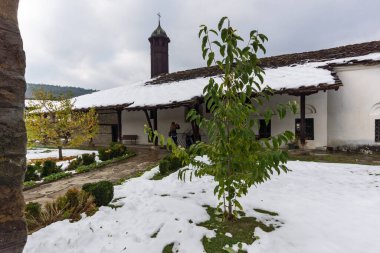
(60, 156)
(230, 214)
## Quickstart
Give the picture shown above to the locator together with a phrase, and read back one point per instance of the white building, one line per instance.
(340, 88)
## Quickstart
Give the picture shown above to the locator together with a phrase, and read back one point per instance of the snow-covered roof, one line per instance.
(284, 73)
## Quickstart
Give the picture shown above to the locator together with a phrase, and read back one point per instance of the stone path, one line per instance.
(48, 192)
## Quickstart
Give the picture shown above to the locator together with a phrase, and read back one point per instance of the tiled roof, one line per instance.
(280, 61)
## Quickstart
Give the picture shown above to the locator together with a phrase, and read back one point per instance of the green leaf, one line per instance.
(210, 59)
(204, 41)
(221, 22)
(214, 32)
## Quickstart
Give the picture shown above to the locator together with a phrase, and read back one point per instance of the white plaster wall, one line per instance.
(351, 109)
(133, 124)
(134, 121)
(166, 117)
(316, 101)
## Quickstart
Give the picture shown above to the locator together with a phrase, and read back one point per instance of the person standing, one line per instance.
(173, 132)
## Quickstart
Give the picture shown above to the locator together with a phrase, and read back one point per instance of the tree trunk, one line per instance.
(12, 131)
(60, 156)
(230, 214)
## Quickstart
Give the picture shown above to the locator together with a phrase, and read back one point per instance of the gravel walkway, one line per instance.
(145, 157)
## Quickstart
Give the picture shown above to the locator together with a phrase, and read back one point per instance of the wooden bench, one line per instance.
(131, 137)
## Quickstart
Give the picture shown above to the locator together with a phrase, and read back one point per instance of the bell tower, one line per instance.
(159, 51)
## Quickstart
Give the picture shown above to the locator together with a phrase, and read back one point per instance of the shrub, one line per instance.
(49, 167)
(88, 158)
(114, 150)
(102, 192)
(170, 163)
(31, 173)
(104, 154)
(74, 164)
(69, 206)
(118, 149)
(33, 209)
(75, 202)
(164, 166)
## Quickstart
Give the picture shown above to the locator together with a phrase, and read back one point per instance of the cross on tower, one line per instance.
(159, 18)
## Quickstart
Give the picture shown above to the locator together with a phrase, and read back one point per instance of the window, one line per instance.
(377, 130)
(309, 128)
(265, 129)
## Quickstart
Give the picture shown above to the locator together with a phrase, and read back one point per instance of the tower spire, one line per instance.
(159, 18)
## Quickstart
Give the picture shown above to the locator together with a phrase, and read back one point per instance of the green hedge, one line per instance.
(169, 164)
(31, 173)
(113, 151)
(49, 167)
(56, 176)
(102, 192)
(88, 158)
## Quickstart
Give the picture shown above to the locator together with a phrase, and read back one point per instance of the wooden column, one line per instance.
(303, 120)
(119, 125)
(148, 119)
(195, 127)
(149, 123)
(155, 124)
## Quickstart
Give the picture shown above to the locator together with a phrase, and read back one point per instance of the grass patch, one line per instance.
(29, 184)
(242, 231)
(56, 176)
(155, 233)
(336, 157)
(117, 199)
(168, 248)
(265, 212)
(159, 176)
(115, 206)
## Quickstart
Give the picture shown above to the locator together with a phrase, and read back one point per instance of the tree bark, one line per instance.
(13, 232)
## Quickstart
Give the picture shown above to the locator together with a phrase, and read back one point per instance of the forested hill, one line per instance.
(56, 90)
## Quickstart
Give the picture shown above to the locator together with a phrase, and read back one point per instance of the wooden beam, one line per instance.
(155, 124)
(148, 119)
(303, 120)
(149, 123)
(119, 125)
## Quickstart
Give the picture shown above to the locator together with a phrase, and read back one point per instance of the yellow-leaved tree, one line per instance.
(53, 121)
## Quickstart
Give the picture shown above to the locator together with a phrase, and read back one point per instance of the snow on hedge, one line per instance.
(42, 153)
(140, 94)
(327, 208)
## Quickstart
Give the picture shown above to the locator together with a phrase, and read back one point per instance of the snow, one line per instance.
(141, 94)
(329, 208)
(42, 153)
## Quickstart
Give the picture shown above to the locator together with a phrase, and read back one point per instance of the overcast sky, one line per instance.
(101, 44)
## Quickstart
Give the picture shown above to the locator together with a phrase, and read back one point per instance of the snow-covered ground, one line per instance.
(41, 153)
(324, 207)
